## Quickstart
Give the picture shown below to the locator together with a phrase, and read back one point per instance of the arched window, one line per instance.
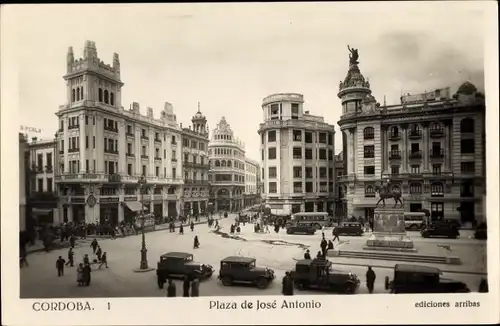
(106, 96)
(229, 164)
(223, 163)
(81, 93)
(415, 130)
(100, 94)
(217, 163)
(73, 96)
(437, 189)
(467, 125)
(415, 188)
(78, 94)
(369, 191)
(112, 98)
(394, 131)
(396, 189)
(369, 133)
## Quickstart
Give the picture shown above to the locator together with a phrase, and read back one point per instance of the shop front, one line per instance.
(78, 209)
(172, 209)
(132, 208)
(108, 210)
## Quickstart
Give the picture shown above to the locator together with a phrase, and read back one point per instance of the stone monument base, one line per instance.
(390, 242)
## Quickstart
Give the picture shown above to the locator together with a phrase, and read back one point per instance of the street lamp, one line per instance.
(144, 259)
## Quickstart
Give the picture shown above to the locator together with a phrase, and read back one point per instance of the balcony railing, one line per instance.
(415, 154)
(393, 136)
(110, 128)
(395, 155)
(425, 175)
(196, 182)
(297, 157)
(130, 154)
(129, 134)
(73, 127)
(157, 140)
(174, 160)
(174, 143)
(437, 132)
(368, 136)
(49, 168)
(415, 134)
(157, 158)
(111, 151)
(436, 153)
(144, 137)
(73, 150)
(145, 156)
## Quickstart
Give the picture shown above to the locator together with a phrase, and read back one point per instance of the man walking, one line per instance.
(370, 279)
(70, 257)
(104, 260)
(60, 266)
(94, 245)
(335, 235)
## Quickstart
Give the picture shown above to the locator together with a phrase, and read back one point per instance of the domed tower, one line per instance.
(199, 122)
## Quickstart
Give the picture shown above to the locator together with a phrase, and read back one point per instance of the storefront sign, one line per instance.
(130, 198)
(78, 200)
(108, 200)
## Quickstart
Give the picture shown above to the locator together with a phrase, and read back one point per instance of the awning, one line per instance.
(41, 211)
(135, 206)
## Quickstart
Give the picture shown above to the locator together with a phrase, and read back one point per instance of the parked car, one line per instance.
(180, 264)
(318, 274)
(236, 269)
(440, 230)
(481, 232)
(422, 279)
(348, 228)
(449, 222)
(300, 228)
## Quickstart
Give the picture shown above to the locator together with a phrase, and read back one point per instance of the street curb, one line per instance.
(392, 267)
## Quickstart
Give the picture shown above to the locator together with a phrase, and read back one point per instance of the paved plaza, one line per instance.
(277, 251)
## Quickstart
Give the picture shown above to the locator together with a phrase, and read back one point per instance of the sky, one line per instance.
(229, 57)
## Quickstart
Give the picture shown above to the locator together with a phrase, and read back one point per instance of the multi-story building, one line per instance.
(195, 166)
(227, 169)
(104, 151)
(297, 153)
(252, 173)
(340, 206)
(23, 180)
(431, 146)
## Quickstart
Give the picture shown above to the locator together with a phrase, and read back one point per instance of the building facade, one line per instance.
(195, 166)
(23, 180)
(431, 146)
(252, 175)
(103, 150)
(297, 156)
(340, 207)
(227, 169)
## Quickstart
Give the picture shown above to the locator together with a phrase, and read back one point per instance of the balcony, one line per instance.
(49, 168)
(144, 156)
(395, 155)
(144, 137)
(436, 153)
(73, 127)
(129, 134)
(157, 158)
(61, 152)
(369, 136)
(415, 155)
(437, 132)
(111, 151)
(174, 160)
(297, 157)
(157, 140)
(174, 143)
(73, 150)
(393, 136)
(195, 182)
(415, 134)
(130, 155)
(110, 128)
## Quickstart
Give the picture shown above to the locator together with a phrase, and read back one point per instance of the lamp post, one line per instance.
(144, 259)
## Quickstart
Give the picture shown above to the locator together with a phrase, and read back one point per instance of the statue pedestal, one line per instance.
(389, 232)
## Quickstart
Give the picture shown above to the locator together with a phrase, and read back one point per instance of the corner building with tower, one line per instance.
(102, 149)
(431, 147)
(297, 157)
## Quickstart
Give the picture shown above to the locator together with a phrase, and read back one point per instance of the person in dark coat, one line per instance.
(324, 246)
(60, 266)
(72, 241)
(86, 260)
(330, 244)
(86, 272)
(287, 284)
(104, 260)
(94, 245)
(307, 254)
(98, 253)
(192, 226)
(335, 235)
(483, 286)
(195, 287)
(181, 229)
(185, 287)
(171, 290)
(196, 242)
(370, 279)
(71, 256)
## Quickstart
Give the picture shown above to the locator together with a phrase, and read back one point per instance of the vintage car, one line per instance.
(440, 230)
(481, 232)
(236, 269)
(348, 228)
(300, 228)
(318, 274)
(243, 217)
(180, 264)
(422, 279)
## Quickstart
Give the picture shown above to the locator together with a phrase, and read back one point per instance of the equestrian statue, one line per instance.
(386, 192)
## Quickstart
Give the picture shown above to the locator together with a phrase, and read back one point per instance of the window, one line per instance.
(322, 154)
(143, 170)
(415, 188)
(309, 154)
(322, 172)
(330, 139)
(93, 141)
(368, 133)
(415, 147)
(415, 169)
(186, 157)
(271, 136)
(309, 187)
(467, 167)
(86, 141)
(467, 146)
(437, 210)
(467, 125)
(394, 132)
(369, 191)
(297, 172)
(174, 155)
(295, 108)
(308, 137)
(369, 151)
(129, 169)
(173, 140)
(87, 120)
(369, 170)
(86, 165)
(322, 138)
(157, 171)
(309, 172)
(157, 153)
(466, 189)
(40, 185)
(49, 160)
(297, 135)
(436, 168)
(40, 161)
(272, 172)
(271, 153)
(437, 190)
(273, 188)
(49, 185)
(297, 187)
(330, 155)
(100, 94)
(174, 173)
(297, 153)
(129, 148)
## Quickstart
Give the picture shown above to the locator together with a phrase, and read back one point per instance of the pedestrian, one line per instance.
(483, 286)
(104, 260)
(185, 286)
(192, 226)
(181, 229)
(94, 245)
(335, 235)
(86, 260)
(86, 274)
(330, 244)
(98, 253)
(284, 283)
(72, 241)
(195, 287)
(71, 255)
(324, 246)
(307, 254)
(80, 274)
(196, 242)
(60, 266)
(370, 279)
(171, 290)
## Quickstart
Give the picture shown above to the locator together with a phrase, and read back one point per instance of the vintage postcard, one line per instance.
(239, 163)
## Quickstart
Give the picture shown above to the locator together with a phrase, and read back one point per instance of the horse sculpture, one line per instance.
(384, 194)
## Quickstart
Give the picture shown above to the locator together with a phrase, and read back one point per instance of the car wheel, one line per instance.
(349, 288)
(227, 281)
(425, 235)
(262, 283)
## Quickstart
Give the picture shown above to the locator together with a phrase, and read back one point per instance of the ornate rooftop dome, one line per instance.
(199, 115)
(223, 127)
(467, 88)
(354, 78)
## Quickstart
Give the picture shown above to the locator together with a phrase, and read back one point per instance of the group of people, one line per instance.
(190, 287)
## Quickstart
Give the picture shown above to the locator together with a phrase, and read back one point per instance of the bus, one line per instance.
(315, 219)
(415, 220)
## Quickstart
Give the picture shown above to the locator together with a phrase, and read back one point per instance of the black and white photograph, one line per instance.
(298, 156)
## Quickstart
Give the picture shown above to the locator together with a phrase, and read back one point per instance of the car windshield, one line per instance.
(189, 258)
(251, 265)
